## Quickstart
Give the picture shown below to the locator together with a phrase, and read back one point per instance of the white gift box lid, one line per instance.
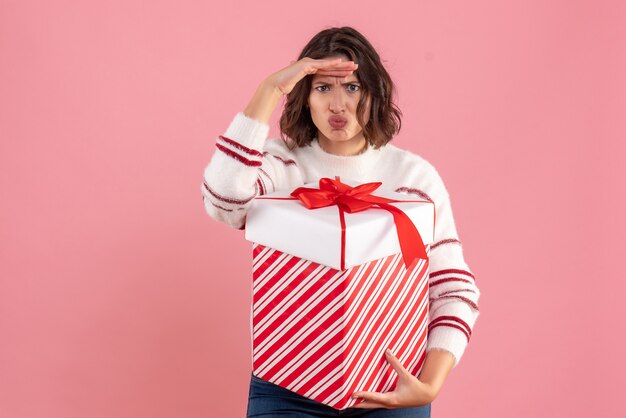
(315, 234)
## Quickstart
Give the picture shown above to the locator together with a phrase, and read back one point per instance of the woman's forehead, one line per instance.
(317, 78)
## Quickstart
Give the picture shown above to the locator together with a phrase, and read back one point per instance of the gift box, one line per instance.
(340, 274)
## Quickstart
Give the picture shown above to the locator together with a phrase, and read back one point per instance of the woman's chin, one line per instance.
(338, 135)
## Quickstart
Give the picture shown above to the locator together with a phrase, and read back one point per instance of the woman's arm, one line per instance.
(453, 292)
(436, 368)
(244, 165)
(410, 390)
(239, 171)
(264, 102)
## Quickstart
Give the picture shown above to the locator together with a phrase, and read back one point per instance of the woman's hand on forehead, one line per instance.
(285, 79)
(335, 67)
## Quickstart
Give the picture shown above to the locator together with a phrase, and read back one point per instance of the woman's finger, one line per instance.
(369, 404)
(337, 64)
(343, 64)
(341, 70)
(328, 60)
(378, 397)
(396, 364)
(334, 73)
(353, 68)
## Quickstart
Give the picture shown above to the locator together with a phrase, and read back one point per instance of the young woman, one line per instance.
(338, 120)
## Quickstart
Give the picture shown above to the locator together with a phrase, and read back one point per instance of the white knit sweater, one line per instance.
(247, 163)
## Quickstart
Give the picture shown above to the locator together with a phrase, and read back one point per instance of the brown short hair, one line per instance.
(385, 117)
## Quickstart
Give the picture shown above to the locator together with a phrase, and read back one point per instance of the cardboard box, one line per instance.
(319, 330)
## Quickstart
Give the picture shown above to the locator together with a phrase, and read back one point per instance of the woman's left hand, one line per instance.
(409, 391)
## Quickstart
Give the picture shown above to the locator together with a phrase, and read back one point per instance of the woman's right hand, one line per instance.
(286, 79)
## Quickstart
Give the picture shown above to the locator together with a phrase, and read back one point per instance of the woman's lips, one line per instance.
(337, 122)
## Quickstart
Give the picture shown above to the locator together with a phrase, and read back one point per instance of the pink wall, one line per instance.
(120, 297)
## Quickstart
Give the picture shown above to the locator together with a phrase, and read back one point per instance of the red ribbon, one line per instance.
(359, 198)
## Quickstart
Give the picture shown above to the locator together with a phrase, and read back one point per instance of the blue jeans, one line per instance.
(267, 399)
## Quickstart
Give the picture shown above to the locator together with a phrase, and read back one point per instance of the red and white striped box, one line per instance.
(319, 330)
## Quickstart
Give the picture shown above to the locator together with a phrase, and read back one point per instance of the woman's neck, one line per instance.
(352, 146)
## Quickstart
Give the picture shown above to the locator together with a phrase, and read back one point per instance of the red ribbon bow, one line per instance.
(356, 199)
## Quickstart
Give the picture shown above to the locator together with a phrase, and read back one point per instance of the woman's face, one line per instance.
(333, 102)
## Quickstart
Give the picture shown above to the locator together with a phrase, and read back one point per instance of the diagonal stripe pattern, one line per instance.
(322, 333)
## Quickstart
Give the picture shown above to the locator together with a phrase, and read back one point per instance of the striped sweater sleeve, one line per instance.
(452, 285)
(245, 164)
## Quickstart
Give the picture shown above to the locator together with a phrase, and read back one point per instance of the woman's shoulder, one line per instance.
(406, 158)
(414, 169)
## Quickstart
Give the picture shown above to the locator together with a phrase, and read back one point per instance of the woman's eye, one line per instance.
(352, 88)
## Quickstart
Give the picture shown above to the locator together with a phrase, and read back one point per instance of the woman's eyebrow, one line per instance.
(325, 81)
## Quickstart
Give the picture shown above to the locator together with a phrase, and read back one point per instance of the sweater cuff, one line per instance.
(449, 339)
(247, 131)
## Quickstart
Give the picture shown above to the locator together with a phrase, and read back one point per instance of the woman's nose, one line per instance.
(337, 101)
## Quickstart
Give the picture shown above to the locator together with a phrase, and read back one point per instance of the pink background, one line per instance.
(120, 297)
